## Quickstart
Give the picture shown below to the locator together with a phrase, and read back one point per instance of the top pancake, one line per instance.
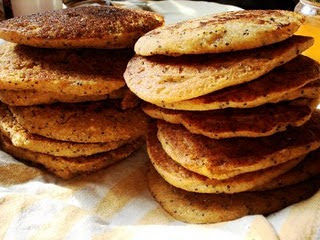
(66, 71)
(225, 158)
(271, 87)
(218, 33)
(162, 79)
(85, 27)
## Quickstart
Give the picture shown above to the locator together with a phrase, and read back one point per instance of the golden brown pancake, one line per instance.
(225, 158)
(274, 86)
(32, 97)
(180, 177)
(162, 79)
(21, 138)
(306, 169)
(233, 122)
(67, 168)
(224, 32)
(85, 27)
(211, 208)
(77, 72)
(92, 122)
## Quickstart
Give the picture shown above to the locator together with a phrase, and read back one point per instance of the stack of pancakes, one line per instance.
(237, 132)
(64, 102)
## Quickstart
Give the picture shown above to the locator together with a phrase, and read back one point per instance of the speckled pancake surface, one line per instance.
(306, 169)
(162, 79)
(92, 122)
(85, 27)
(225, 158)
(21, 138)
(78, 72)
(67, 168)
(211, 208)
(180, 177)
(224, 32)
(282, 83)
(226, 123)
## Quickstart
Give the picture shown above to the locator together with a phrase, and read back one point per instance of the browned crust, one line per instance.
(99, 27)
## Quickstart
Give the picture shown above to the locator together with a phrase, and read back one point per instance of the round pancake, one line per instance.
(21, 138)
(67, 168)
(233, 122)
(204, 103)
(182, 178)
(158, 79)
(308, 168)
(32, 97)
(78, 72)
(224, 32)
(85, 27)
(211, 208)
(225, 158)
(274, 86)
(92, 122)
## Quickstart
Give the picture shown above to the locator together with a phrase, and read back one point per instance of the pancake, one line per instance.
(158, 79)
(182, 178)
(21, 138)
(308, 168)
(211, 208)
(32, 97)
(93, 122)
(274, 86)
(78, 72)
(224, 32)
(85, 27)
(226, 158)
(226, 123)
(67, 168)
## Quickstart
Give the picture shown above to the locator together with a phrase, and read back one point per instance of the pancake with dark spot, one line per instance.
(84, 27)
(161, 79)
(224, 32)
(282, 83)
(212, 208)
(226, 123)
(67, 168)
(180, 177)
(225, 158)
(92, 122)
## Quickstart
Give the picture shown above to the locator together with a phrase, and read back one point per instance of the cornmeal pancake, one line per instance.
(70, 167)
(32, 97)
(182, 178)
(225, 158)
(274, 86)
(308, 168)
(78, 72)
(92, 122)
(158, 79)
(233, 122)
(85, 27)
(21, 138)
(211, 208)
(224, 32)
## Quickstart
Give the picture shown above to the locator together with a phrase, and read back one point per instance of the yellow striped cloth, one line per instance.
(115, 204)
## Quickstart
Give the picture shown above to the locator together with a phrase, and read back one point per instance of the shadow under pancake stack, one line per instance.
(236, 129)
(64, 101)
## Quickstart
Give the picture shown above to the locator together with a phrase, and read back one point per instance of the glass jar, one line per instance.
(311, 9)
